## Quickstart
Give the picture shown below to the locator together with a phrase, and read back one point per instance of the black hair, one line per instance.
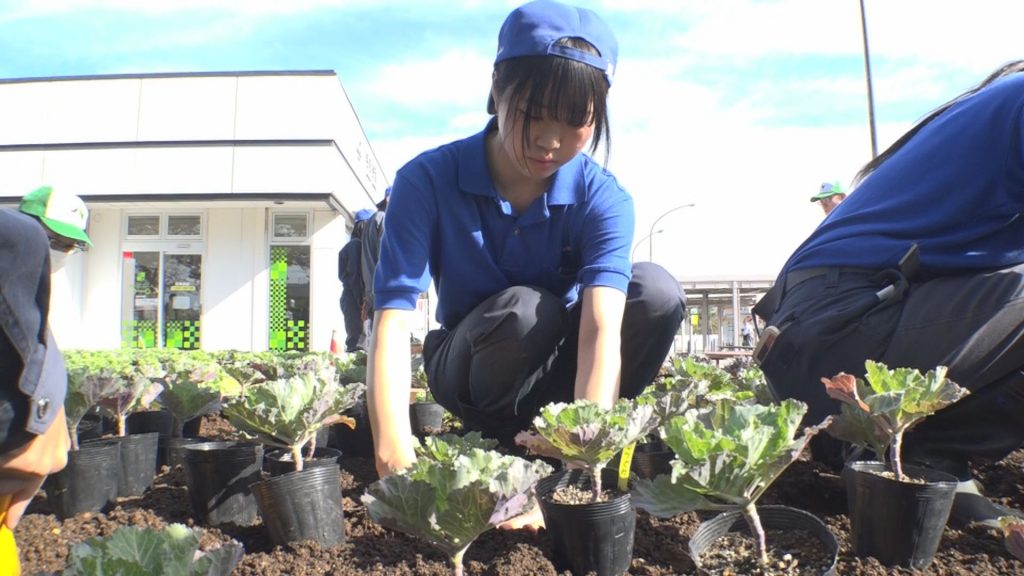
(569, 91)
(1013, 67)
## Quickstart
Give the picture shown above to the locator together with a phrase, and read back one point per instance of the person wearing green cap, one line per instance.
(829, 196)
(33, 381)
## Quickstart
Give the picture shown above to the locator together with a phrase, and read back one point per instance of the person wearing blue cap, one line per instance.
(350, 273)
(921, 266)
(34, 441)
(527, 240)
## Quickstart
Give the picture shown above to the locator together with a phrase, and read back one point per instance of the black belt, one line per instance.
(797, 276)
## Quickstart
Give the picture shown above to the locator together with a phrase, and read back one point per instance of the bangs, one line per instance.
(559, 89)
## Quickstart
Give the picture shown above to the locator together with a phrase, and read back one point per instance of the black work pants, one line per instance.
(973, 324)
(351, 310)
(516, 351)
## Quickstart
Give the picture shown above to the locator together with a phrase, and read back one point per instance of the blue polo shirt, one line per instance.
(445, 218)
(956, 189)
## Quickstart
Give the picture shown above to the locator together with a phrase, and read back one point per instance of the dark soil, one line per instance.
(790, 553)
(660, 544)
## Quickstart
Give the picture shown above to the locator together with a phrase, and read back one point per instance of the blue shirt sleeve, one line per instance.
(409, 223)
(607, 237)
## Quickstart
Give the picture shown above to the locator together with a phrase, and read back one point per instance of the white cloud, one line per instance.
(457, 76)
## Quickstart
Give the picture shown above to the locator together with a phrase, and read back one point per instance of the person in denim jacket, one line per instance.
(33, 432)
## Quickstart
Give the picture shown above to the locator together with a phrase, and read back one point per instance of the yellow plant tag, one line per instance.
(624, 465)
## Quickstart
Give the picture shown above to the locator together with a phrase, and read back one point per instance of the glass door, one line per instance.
(289, 298)
(162, 304)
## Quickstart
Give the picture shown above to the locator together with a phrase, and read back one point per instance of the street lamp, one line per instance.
(651, 236)
(650, 253)
(867, 72)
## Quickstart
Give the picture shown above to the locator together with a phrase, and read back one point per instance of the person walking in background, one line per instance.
(527, 240)
(34, 439)
(747, 332)
(373, 231)
(829, 196)
(351, 276)
(922, 266)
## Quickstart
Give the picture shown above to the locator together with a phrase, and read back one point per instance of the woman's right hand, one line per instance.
(393, 461)
(388, 377)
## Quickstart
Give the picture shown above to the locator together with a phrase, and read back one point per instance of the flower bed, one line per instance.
(659, 549)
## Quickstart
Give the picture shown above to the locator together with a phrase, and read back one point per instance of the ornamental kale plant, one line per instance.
(877, 414)
(351, 367)
(172, 551)
(133, 391)
(725, 460)
(457, 489)
(194, 384)
(585, 434)
(1013, 535)
(250, 367)
(289, 411)
(694, 385)
(90, 380)
(709, 383)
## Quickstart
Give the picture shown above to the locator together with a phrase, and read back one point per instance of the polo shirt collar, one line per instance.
(475, 178)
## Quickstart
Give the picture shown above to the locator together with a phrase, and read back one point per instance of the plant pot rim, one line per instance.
(922, 472)
(733, 521)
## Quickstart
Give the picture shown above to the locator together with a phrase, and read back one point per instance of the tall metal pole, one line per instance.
(633, 257)
(867, 72)
(650, 252)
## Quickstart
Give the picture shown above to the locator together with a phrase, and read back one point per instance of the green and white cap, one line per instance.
(62, 212)
(827, 189)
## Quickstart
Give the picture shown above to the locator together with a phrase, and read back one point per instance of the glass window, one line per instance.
(295, 226)
(143, 225)
(184, 225)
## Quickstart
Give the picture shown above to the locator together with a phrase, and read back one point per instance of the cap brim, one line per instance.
(66, 230)
(817, 197)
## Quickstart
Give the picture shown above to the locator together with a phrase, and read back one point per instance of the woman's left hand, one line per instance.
(531, 520)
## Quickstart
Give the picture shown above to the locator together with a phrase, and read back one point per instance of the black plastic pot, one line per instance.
(279, 461)
(89, 481)
(303, 505)
(588, 538)
(171, 451)
(219, 475)
(91, 427)
(899, 523)
(356, 441)
(772, 518)
(649, 459)
(426, 418)
(159, 421)
(138, 463)
(191, 427)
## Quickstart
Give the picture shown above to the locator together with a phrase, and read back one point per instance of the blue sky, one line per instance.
(742, 107)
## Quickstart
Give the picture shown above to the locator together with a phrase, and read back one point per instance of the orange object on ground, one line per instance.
(335, 347)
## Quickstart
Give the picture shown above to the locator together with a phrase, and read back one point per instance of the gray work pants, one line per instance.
(516, 351)
(973, 323)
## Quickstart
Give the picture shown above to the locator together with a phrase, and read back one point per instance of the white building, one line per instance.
(218, 203)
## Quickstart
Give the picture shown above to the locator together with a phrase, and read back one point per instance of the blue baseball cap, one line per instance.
(534, 29)
(364, 214)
